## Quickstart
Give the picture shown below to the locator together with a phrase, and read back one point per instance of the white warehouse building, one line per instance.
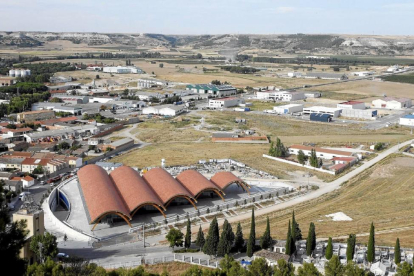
(283, 96)
(123, 70)
(335, 112)
(288, 109)
(351, 105)
(225, 102)
(407, 120)
(164, 110)
(392, 103)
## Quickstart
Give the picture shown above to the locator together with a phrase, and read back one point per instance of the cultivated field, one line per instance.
(383, 195)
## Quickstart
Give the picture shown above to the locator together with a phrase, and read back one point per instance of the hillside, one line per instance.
(293, 43)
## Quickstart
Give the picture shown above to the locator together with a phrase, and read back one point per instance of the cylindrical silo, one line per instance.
(12, 73)
(23, 73)
(18, 73)
(28, 72)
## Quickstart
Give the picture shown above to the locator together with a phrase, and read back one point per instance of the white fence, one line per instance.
(297, 164)
(196, 260)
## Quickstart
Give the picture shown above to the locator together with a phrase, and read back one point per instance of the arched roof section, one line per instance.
(225, 179)
(134, 190)
(196, 183)
(166, 187)
(100, 194)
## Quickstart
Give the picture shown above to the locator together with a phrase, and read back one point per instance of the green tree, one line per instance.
(301, 157)
(187, 240)
(296, 232)
(351, 269)
(334, 267)
(200, 238)
(397, 252)
(284, 268)
(371, 244)
(175, 237)
(38, 170)
(311, 240)
(259, 267)
(239, 240)
(404, 269)
(308, 269)
(44, 246)
(251, 243)
(313, 160)
(266, 240)
(12, 237)
(226, 239)
(288, 246)
(280, 150)
(212, 240)
(161, 65)
(329, 249)
(272, 149)
(350, 250)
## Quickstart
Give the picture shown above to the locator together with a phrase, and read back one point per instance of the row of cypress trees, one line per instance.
(351, 244)
(217, 244)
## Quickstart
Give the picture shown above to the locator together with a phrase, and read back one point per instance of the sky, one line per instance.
(378, 17)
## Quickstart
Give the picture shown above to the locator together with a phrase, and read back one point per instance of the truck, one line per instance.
(244, 109)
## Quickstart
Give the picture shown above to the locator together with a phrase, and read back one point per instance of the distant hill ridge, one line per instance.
(316, 43)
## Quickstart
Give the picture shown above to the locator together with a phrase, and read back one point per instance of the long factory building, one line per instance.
(124, 191)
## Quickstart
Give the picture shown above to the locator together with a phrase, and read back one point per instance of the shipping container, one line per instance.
(320, 117)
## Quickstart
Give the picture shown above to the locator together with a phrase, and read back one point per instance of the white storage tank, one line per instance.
(17, 73)
(23, 73)
(12, 73)
(28, 72)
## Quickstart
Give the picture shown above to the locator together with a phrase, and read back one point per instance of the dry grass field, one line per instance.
(371, 89)
(383, 195)
(173, 268)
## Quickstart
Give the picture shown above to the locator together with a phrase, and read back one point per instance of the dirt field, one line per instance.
(382, 194)
(371, 89)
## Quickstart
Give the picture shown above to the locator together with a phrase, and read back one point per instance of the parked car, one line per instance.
(60, 256)
(11, 207)
(23, 195)
(42, 182)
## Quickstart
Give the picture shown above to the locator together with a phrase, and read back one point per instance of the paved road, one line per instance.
(322, 190)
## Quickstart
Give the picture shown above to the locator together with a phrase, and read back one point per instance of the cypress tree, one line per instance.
(200, 238)
(288, 246)
(187, 240)
(397, 252)
(329, 249)
(371, 244)
(252, 237)
(272, 149)
(296, 232)
(239, 242)
(350, 250)
(266, 239)
(226, 240)
(311, 240)
(210, 246)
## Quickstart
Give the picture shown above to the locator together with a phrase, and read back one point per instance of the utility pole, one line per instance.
(40, 251)
(143, 233)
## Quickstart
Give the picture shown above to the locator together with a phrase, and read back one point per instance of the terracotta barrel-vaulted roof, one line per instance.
(165, 186)
(195, 182)
(100, 194)
(224, 179)
(133, 189)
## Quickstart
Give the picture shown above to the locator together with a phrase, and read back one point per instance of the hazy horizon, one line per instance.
(196, 17)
